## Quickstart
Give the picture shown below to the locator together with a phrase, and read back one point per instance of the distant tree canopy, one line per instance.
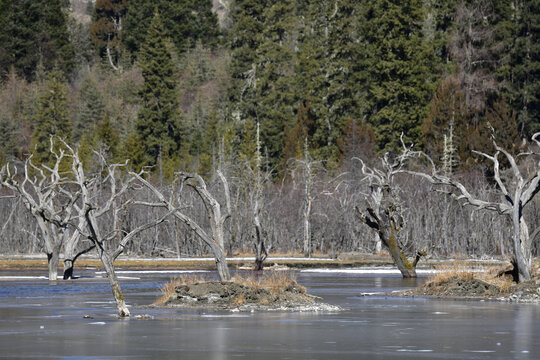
(34, 32)
(185, 21)
(314, 72)
(51, 118)
(108, 22)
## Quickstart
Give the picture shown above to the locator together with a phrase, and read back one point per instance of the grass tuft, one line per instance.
(275, 282)
(168, 289)
(460, 270)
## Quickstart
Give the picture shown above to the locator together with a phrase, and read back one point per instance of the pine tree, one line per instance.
(92, 108)
(523, 80)
(186, 21)
(51, 118)
(394, 67)
(32, 31)
(300, 135)
(244, 40)
(325, 72)
(158, 122)
(274, 74)
(447, 110)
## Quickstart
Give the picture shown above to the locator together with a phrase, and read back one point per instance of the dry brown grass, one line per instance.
(462, 270)
(168, 289)
(239, 300)
(275, 282)
(447, 271)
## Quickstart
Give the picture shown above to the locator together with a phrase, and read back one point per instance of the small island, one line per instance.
(272, 291)
(495, 285)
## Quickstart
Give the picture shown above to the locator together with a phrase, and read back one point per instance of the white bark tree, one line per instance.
(216, 217)
(100, 199)
(39, 188)
(517, 193)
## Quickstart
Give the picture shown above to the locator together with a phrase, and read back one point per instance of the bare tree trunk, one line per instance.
(378, 244)
(69, 261)
(403, 264)
(307, 228)
(260, 250)
(221, 260)
(522, 248)
(52, 263)
(108, 264)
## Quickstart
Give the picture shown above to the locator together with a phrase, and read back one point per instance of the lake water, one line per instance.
(42, 320)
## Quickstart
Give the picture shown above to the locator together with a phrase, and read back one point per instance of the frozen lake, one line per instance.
(42, 320)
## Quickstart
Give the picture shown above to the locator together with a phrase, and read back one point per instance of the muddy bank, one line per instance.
(241, 297)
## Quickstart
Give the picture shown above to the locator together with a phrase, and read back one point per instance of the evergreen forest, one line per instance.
(284, 97)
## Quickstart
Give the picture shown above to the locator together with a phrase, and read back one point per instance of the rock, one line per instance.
(144, 317)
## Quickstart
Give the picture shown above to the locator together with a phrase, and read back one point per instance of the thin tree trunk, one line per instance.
(260, 250)
(307, 229)
(108, 264)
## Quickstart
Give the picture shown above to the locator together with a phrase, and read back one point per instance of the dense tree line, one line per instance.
(163, 85)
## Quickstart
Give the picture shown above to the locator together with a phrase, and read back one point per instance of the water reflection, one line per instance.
(523, 329)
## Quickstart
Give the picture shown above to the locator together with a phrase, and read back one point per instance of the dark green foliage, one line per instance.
(523, 75)
(244, 39)
(52, 118)
(297, 136)
(158, 123)
(395, 69)
(92, 108)
(32, 31)
(274, 76)
(186, 21)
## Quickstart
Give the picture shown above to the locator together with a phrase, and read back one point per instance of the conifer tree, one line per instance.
(523, 80)
(244, 40)
(51, 118)
(32, 31)
(158, 122)
(92, 109)
(394, 68)
(326, 65)
(186, 21)
(274, 66)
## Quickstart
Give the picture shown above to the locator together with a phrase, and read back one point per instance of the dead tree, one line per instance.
(99, 199)
(39, 188)
(307, 167)
(311, 173)
(215, 240)
(253, 183)
(383, 211)
(517, 194)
